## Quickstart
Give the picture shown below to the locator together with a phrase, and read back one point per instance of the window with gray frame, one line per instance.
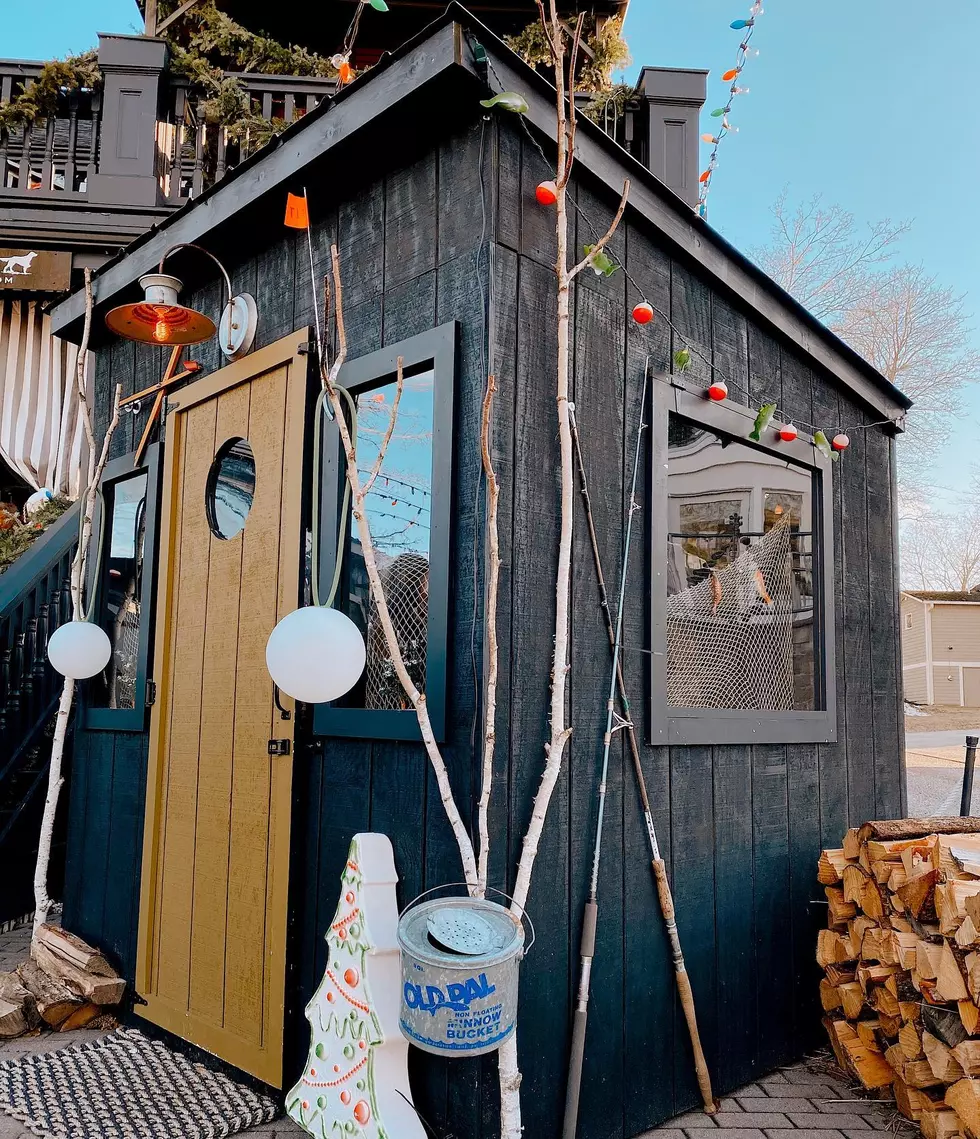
(742, 574)
(408, 510)
(125, 522)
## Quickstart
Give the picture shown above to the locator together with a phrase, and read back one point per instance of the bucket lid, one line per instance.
(460, 931)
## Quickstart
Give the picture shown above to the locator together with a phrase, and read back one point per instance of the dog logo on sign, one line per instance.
(18, 266)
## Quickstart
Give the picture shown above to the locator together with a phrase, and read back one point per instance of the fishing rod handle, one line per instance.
(580, 1020)
(684, 990)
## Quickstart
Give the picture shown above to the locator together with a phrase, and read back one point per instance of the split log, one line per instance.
(72, 949)
(852, 999)
(951, 898)
(830, 867)
(944, 1024)
(941, 1060)
(869, 1033)
(941, 1123)
(870, 1067)
(832, 948)
(903, 947)
(830, 997)
(99, 990)
(853, 878)
(950, 979)
(910, 1042)
(13, 1022)
(852, 844)
(12, 991)
(840, 973)
(908, 1100)
(918, 895)
(928, 958)
(969, 1016)
(81, 1017)
(838, 908)
(891, 1026)
(915, 1073)
(967, 1055)
(894, 829)
(966, 935)
(54, 1001)
(964, 1098)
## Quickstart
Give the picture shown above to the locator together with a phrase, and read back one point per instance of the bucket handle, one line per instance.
(525, 917)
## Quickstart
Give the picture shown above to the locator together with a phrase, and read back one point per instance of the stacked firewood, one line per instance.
(901, 956)
(66, 984)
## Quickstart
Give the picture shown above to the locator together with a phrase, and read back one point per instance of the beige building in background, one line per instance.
(941, 647)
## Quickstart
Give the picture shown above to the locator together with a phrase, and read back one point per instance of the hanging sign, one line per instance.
(35, 270)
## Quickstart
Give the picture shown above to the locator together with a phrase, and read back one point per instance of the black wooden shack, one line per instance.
(431, 202)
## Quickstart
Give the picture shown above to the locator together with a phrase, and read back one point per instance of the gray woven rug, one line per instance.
(125, 1086)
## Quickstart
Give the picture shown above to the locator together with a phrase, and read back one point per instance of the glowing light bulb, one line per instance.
(708, 138)
(740, 90)
(718, 112)
(748, 52)
(730, 74)
(737, 25)
(757, 9)
(161, 331)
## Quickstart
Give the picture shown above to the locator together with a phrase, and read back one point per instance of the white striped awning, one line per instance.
(41, 432)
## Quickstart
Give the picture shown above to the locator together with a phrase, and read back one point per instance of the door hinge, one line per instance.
(151, 693)
(278, 747)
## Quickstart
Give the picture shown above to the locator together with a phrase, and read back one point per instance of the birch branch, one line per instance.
(418, 701)
(493, 584)
(42, 900)
(84, 409)
(606, 237)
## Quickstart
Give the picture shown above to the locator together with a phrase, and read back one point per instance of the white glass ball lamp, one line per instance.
(315, 654)
(79, 650)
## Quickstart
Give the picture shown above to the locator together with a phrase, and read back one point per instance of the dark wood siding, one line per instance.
(740, 827)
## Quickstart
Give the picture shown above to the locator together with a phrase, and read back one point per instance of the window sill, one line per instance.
(721, 726)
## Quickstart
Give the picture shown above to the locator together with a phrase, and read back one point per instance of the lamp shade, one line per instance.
(315, 654)
(159, 318)
(79, 650)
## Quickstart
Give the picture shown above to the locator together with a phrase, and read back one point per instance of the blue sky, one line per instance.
(870, 104)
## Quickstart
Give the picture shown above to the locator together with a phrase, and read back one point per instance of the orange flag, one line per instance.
(297, 212)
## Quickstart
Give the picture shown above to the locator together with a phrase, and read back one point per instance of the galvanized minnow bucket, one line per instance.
(460, 960)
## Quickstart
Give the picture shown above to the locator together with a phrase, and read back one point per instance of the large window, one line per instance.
(408, 510)
(741, 571)
(126, 520)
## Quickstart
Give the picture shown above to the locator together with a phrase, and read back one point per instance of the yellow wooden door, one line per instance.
(212, 930)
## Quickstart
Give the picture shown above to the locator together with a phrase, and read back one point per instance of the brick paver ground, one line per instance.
(803, 1102)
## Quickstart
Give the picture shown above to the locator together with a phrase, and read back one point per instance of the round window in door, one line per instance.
(230, 488)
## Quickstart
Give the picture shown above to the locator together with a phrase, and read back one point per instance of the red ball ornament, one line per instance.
(788, 432)
(345, 1097)
(351, 976)
(840, 442)
(546, 193)
(643, 312)
(362, 1113)
(718, 390)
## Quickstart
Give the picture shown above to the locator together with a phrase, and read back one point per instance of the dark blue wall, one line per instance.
(741, 827)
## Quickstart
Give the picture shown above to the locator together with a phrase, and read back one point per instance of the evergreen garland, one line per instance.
(40, 99)
(609, 52)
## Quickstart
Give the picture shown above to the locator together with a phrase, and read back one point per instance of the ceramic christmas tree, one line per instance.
(355, 1084)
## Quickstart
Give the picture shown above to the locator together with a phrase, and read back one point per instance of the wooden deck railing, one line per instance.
(54, 156)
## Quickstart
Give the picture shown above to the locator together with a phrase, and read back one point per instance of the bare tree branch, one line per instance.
(493, 585)
(376, 467)
(606, 237)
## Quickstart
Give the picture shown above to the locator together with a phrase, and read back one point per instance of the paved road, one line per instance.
(939, 739)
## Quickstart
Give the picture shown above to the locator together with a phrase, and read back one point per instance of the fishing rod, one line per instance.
(613, 723)
(658, 866)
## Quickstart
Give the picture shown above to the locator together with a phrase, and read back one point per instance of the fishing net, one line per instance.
(730, 635)
(405, 580)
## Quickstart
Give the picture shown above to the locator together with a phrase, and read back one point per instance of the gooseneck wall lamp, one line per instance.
(160, 318)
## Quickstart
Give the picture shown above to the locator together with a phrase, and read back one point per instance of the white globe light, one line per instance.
(315, 654)
(79, 650)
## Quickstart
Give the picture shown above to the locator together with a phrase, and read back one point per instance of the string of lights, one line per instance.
(732, 76)
(413, 487)
(644, 311)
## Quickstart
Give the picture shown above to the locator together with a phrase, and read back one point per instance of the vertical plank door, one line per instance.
(212, 930)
